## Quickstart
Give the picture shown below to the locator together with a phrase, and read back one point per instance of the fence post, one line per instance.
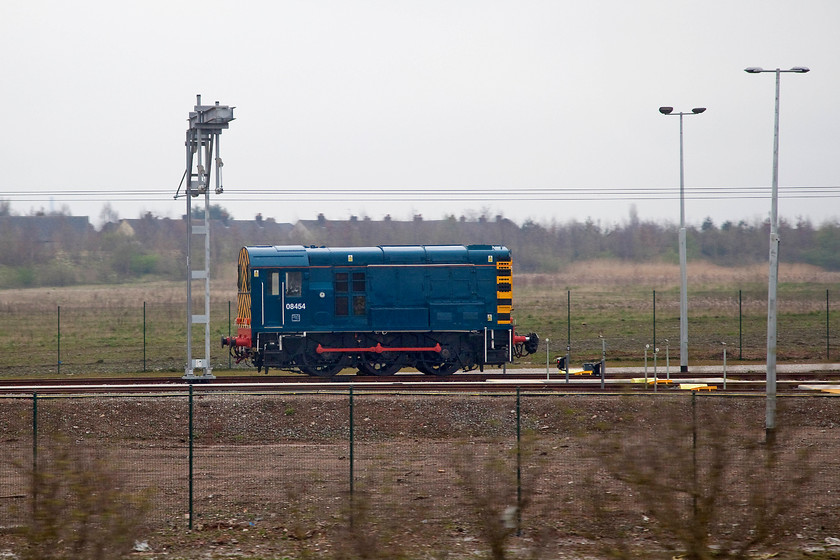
(190, 437)
(654, 318)
(144, 336)
(34, 432)
(230, 365)
(827, 338)
(694, 453)
(58, 331)
(352, 474)
(352, 444)
(740, 329)
(35, 450)
(518, 465)
(568, 327)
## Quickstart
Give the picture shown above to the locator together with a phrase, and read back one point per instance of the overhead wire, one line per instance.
(413, 194)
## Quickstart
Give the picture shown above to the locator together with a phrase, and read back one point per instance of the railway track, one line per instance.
(618, 380)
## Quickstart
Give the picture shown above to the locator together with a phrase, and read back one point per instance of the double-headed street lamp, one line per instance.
(683, 289)
(770, 421)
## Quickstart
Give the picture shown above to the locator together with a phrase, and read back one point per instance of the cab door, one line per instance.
(283, 305)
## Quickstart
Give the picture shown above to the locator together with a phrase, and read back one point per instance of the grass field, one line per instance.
(632, 305)
(136, 327)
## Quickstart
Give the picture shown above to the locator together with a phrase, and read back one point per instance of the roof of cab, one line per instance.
(277, 256)
(300, 256)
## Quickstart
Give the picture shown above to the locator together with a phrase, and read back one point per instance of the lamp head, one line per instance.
(753, 70)
(666, 110)
(698, 110)
(800, 69)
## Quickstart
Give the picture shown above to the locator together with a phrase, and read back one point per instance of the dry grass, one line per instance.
(109, 295)
(592, 275)
(610, 273)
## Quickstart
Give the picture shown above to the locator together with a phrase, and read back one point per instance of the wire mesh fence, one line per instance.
(110, 336)
(625, 322)
(76, 339)
(436, 467)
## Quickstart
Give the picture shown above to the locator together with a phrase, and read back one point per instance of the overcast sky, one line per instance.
(406, 95)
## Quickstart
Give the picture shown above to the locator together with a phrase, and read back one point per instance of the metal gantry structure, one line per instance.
(206, 124)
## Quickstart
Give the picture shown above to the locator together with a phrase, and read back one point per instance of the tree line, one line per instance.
(59, 250)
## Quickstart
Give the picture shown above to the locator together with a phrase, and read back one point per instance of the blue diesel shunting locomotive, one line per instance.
(319, 310)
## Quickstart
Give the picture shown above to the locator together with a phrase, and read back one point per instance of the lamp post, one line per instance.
(770, 420)
(683, 281)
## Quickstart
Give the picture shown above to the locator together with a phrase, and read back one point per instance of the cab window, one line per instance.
(275, 283)
(294, 284)
(350, 294)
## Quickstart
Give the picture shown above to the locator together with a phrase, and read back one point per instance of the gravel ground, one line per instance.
(435, 475)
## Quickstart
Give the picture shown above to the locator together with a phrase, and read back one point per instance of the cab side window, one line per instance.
(342, 288)
(359, 298)
(350, 294)
(275, 283)
(294, 282)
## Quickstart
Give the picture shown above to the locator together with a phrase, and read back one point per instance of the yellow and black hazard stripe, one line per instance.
(243, 297)
(504, 290)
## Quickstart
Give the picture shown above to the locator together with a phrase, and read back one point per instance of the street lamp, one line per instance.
(683, 288)
(770, 421)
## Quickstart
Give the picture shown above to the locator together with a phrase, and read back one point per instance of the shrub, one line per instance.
(700, 481)
(80, 508)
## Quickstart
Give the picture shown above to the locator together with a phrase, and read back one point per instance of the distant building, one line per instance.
(46, 228)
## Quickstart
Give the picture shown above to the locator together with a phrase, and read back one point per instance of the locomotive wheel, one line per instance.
(432, 363)
(386, 363)
(323, 365)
